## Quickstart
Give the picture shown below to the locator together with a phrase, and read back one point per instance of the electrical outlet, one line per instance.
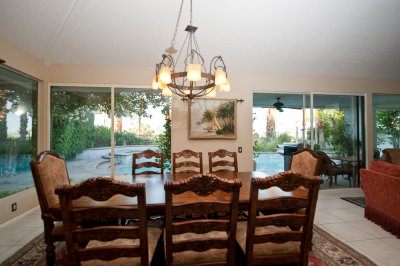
(240, 150)
(14, 207)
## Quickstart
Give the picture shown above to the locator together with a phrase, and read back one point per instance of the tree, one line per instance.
(388, 123)
(270, 123)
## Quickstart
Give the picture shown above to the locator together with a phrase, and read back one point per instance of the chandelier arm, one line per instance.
(198, 52)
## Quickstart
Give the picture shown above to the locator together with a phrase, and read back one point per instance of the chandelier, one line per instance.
(195, 80)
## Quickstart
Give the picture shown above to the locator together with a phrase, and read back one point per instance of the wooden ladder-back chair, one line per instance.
(187, 164)
(306, 162)
(148, 154)
(124, 244)
(215, 166)
(283, 236)
(201, 241)
(49, 171)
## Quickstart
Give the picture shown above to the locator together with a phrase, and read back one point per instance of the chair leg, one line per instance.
(330, 180)
(50, 254)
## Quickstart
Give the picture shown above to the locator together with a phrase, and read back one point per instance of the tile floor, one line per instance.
(343, 220)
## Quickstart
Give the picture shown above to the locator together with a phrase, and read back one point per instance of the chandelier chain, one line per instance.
(177, 24)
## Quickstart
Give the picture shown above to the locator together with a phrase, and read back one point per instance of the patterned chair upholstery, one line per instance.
(49, 171)
(306, 162)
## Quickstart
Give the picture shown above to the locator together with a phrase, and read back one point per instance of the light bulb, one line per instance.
(194, 72)
(166, 92)
(165, 75)
(155, 85)
(226, 87)
(187, 92)
(220, 77)
(211, 92)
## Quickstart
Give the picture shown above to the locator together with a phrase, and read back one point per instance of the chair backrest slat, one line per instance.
(148, 154)
(283, 203)
(214, 165)
(283, 219)
(74, 218)
(186, 154)
(203, 185)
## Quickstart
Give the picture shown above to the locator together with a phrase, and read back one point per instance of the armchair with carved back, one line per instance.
(49, 171)
(306, 162)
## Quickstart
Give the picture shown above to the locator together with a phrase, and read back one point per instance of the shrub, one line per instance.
(284, 137)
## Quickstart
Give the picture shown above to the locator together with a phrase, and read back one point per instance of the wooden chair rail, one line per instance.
(281, 220)
(200, 227)
(278, 237)
(282, 204)
(201, 207)
(199, 245)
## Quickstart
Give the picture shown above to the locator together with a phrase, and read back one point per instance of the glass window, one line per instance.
(386, 110)
(18, 131)
(81, 129)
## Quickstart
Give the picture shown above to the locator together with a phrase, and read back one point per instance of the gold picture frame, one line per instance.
(212, 118)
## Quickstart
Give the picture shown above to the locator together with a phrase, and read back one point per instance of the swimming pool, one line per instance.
(270, 161)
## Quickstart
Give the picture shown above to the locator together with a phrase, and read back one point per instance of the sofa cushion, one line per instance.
(385, 167)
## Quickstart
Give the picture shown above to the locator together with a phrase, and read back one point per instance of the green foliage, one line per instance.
(284, 137)
(221, 119)
(4, 194)
(264, 144)
(388, 123)
(164, 139)
(334, 129)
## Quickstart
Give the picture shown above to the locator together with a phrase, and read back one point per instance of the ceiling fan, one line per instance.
(278, 105)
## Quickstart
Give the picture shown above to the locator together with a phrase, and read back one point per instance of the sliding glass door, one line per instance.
(332, 124)
(98, 133)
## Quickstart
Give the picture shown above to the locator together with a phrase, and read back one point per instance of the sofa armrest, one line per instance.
(382, 192)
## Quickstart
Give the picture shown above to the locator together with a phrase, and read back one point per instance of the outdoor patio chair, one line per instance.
(49, 171)
(332, 169)
(218, 165)
(147, 154)
(106, 244)
(187, 164)
(282, 236)
(392, 155)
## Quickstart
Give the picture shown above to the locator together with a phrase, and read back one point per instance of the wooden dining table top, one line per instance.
(155, 194)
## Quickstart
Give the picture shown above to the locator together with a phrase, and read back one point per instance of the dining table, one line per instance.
(155, 194)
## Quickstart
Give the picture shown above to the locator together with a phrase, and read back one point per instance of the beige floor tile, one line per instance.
(380, 249)
(322, 217)
(393, 241)
(333, 204)
(347, 215)
(11, 236)
(371, 228)
(348, 232)
(9, 252)
(366, 254)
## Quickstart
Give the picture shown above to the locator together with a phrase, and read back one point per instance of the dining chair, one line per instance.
(306, 162)
(205, 240)
(332, 169)
(218, 165)
(187, 164)
(106, 244)
(147, 154)
(49, 170)
(281, 236)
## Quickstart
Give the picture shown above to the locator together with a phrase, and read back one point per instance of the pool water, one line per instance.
(270, 161)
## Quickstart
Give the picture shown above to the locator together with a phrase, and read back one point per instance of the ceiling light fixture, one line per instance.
(194, 80)
(278, 105)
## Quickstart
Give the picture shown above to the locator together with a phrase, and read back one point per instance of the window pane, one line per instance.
(18, 121)
(387, 122)
(140, 116)
(81, 129)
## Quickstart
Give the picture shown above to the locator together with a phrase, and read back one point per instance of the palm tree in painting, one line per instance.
(226, 115)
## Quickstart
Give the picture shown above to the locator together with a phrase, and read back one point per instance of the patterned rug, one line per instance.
(359, 201)
(326, 251)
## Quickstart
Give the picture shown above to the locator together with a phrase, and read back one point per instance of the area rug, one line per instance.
(359, 201)
(326, 251)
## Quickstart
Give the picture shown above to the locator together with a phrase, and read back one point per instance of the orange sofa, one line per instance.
(381, 186)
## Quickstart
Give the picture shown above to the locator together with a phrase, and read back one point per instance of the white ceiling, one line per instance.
(358, 38)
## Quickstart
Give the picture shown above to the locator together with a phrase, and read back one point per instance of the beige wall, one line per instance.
(243, 84)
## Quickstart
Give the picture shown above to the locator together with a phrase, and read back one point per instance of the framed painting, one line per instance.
(212, 119)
